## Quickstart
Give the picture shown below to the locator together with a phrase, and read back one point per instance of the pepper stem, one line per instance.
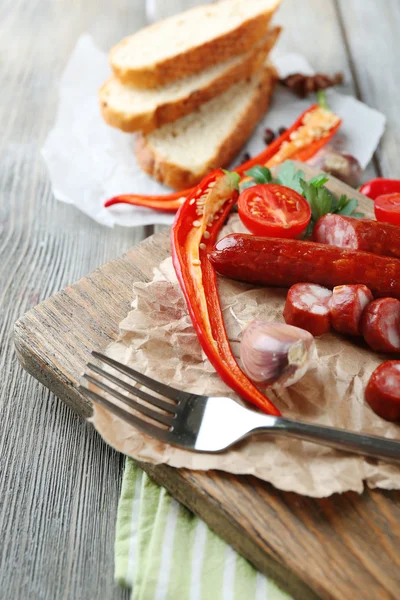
(233, 177)
(321, 100)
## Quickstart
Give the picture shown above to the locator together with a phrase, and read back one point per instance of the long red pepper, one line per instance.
(168, 203)
(171, 202)
(303, 153)
(193, 235)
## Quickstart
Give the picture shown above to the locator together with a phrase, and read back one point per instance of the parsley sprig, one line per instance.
(321, 200)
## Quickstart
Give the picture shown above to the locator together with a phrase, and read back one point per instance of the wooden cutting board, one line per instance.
(343, 547)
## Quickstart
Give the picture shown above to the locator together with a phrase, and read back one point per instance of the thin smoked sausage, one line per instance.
(359, 234)
(380, 325)
(307, 307)
(383, 390)
(284, 262)
(347, 305)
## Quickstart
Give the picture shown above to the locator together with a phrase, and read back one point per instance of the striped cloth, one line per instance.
(164, 552)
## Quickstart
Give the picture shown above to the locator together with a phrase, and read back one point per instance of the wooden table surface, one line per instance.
(59, 483)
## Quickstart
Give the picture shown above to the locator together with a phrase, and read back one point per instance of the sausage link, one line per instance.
(359, 234)
(307, 307)
(284, 262)
(383, 390)
(347, 305)
(380, 325)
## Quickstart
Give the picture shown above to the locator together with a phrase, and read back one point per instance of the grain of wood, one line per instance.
(371, 32)
(316, 32)
(59, 483)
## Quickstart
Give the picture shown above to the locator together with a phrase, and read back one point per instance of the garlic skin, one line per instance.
(275, 354)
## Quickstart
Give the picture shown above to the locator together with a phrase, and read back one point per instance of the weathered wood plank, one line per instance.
(371, 30)
(59, 483)
(316, 32)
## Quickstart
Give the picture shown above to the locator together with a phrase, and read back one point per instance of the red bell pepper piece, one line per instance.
(193, 235)
(379, 187)
(323, 125)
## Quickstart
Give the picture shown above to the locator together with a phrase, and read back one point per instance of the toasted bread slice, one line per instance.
(131, 109)
(191, 41)
(180, 154)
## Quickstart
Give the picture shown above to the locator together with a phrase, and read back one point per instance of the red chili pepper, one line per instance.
(312, 149)
(168, 203)
(268, 157)
(379, 186)
(303, 153)
(193, 235)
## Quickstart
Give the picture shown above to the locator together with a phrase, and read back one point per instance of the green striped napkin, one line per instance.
(164, 552)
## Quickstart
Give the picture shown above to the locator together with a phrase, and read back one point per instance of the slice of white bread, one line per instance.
(131, 109)
(180, 154)
(191, 41)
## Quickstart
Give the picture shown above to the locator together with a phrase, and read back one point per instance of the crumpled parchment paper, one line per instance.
(89, 162)
(158, 339)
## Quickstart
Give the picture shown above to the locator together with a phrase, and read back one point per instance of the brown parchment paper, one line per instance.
(157, 338)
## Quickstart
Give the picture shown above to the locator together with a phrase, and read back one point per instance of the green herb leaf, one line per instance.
(260, 174)
(310, 194)
(348, 209)
(319, 198)
(290, 177)
(319, 180)
(343, 201)
(358, 215)
(325, 201)
(246, 184)
(309, 229)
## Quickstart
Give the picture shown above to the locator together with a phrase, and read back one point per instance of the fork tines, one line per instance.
(160, 413)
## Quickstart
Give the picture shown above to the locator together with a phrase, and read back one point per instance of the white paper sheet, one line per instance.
(88, 161)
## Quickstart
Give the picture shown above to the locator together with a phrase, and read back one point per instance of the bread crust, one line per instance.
(193, 60)
(175, 109)
(156, 165)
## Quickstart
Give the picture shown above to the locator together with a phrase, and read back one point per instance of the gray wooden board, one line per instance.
(59, 483)
(58, 473)
(53, 343)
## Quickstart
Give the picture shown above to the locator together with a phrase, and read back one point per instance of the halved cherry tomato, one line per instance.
(379, 186)
(273, 210)
(387, 208)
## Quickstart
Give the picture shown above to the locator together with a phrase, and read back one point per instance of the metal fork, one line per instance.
(212, 423)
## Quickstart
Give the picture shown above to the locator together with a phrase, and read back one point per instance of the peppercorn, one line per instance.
(269, 136)
(282, 130)
(246, 156)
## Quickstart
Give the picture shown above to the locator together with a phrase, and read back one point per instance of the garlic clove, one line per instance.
(275, 354)
(342, 166)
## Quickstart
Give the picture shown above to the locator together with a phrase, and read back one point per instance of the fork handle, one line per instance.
(367, 445)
